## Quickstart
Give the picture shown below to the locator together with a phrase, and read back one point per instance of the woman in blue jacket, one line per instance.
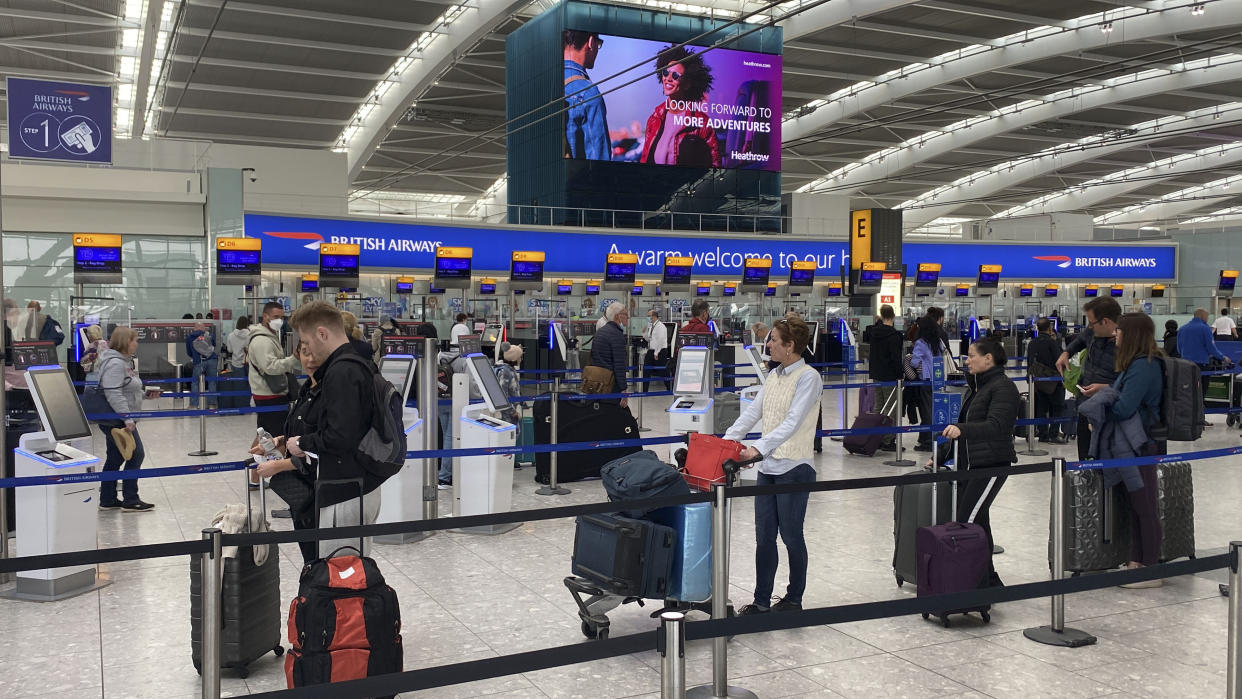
(1140, 383)
(926, 349)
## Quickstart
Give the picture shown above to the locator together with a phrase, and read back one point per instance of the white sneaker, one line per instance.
(1143, 585)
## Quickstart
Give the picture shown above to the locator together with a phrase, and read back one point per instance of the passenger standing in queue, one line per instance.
(293, 478)
(123, 390)
(785, 407)
(926, 348)
(700, 317)
(985, 425)
(1098, 370)
(339, 419)
(1195, 343)
(268, 373)
(608, 349)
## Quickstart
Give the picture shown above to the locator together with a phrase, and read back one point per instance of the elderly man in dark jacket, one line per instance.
(608, 347)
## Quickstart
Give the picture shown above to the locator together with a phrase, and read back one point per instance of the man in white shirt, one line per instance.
(1224, 328)
(656, 336)
(459, 329)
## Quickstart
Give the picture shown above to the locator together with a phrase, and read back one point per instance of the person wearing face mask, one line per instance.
(269, 369)
(985, 426)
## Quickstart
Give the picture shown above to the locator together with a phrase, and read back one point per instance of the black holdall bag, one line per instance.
(580, 420)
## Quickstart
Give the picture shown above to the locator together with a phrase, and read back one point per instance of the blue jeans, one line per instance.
(208, 368)
(446, 431)
(785, 514)
(113, 461)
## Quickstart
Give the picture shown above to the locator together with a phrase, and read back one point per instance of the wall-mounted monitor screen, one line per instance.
(834, 291)
(1157, 291)
(1228, 280)
(677, 271)
(1050, 291)
(592, 289)
(405, 287)
(338, 264)
(309, 284)
(1116, 291)
(619, 270)
(453, 267)
(870, 278)
(736, 125)
(927, 276)
(636, 291)
(1026, 291)
(96, 258)
(770, 291)
(1091, 291)
(732, 290)
(962, 291)
(756, 271)
(487, 289)
(989, 276)
(526, 269)
(238, 260)
(564, 289)
(435, 289)
(702, 290)
(802, 273)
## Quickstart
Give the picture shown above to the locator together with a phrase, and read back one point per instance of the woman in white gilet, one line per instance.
(786, 409)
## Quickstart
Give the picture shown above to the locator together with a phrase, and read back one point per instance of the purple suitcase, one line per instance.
(952, 557)
(869, 444)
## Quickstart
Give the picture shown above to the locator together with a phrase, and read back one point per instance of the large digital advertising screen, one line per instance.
(642, 101)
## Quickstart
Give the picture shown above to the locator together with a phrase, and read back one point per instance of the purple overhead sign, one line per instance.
(59, 121)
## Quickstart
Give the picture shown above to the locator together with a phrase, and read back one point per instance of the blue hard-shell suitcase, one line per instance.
(691, 578)
(628, 557)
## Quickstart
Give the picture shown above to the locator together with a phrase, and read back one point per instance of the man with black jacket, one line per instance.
(337, 422)
(1041, 353)
(886, 351)
(1099, 369)
(608, 349)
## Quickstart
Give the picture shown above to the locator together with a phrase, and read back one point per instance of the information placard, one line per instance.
(59, 121)
(96, 258)
(338, 264)
(239, 261)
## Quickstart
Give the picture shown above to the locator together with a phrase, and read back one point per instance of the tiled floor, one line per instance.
(466, 597)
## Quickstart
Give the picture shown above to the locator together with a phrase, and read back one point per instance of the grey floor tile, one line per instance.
(1159, 677)
(51, 675)
(1104, 651)
(881, 675)
(807, 646)
(605, 679)
(1019, 677)
(942, 655)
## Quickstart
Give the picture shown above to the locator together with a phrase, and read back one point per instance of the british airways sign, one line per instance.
(289, 240)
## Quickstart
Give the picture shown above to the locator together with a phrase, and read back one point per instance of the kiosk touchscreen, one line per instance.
(401, 496)
(691, 410)
(484, 484)
(61, 517)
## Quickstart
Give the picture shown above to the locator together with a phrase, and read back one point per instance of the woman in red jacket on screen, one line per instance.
(677, 131)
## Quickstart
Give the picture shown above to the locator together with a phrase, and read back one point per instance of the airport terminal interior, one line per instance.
(597, 252)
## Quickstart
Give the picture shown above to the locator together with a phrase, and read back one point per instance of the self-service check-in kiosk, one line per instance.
(401, 496)
(692, 408)
(484, 484)
(61, 517)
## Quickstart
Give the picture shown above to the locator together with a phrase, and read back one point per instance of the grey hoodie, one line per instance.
(119, 382)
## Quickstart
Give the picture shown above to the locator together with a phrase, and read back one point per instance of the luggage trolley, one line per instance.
(689, 581)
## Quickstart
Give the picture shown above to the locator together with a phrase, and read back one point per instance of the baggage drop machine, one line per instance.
(693, 405)
(482, 484)
(401, 497)
(60, 517)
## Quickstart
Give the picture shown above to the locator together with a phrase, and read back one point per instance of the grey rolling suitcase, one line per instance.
(912, 509)
(1176, 497)
(251, 607)
(1097, 537)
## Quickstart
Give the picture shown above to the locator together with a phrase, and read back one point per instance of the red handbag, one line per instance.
(705, 459)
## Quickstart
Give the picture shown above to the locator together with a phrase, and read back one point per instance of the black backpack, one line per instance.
(1181, 404)
(384, 444)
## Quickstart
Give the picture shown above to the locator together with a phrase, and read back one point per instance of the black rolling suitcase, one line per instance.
(582, 421)
(250, 609)
(912, 509)
(627, 557)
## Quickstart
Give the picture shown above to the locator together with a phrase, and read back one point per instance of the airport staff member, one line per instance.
(459, 328)
(785, 406)
(656, 336)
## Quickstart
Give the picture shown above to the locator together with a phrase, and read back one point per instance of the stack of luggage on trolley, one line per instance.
(662, 554)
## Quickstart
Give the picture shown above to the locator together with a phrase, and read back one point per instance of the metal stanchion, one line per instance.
(1057, 634)
(899, 459)
(211, 568)
(429, 407)
(552, 488)
(844, 417)
(642, 388)
(673, 655)
(719, 688)
(1234, 690)
(202, 421)
(4, 528)
(1030, 414)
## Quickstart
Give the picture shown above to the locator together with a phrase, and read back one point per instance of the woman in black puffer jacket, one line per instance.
(985, 430)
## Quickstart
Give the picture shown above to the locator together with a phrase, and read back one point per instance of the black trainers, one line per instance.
(114, 505)
(785, 605)
(137, 506)
(753, 609)
(922, 447)
(888, 447)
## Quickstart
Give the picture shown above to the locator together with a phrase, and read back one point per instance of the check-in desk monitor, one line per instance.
(756, 361)
(61, 517)
(483, 484)
(398, 369)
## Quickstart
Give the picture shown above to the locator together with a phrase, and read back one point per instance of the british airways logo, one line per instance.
(1062, 259)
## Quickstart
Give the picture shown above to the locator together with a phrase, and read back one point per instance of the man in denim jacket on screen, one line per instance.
(586, 125)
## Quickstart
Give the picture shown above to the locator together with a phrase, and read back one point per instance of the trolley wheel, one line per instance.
(900, 581)
(944, 621)
(925, 616)
(243, 672)
(588, 630)
(279, 651)
(602, 634)
(987, 617)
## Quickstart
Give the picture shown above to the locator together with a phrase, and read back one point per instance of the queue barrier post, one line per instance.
(642, 388)
(553, 488)
(1234, 690)
(899, 459)
(429, 406)
(673, 655)
(1031, 390)
(211, 569)
(202, 421)
(719, 687)
(1057, 634)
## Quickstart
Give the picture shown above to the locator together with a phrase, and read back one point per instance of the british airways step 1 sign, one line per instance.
(292, 240)
(59, 121)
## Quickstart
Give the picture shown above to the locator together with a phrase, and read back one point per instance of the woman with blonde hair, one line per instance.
(354, 332)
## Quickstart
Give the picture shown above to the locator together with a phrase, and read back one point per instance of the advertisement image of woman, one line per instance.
(681, 136)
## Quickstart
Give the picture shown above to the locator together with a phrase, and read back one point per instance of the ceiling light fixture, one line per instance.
(1197, 9)
(1107, 27)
